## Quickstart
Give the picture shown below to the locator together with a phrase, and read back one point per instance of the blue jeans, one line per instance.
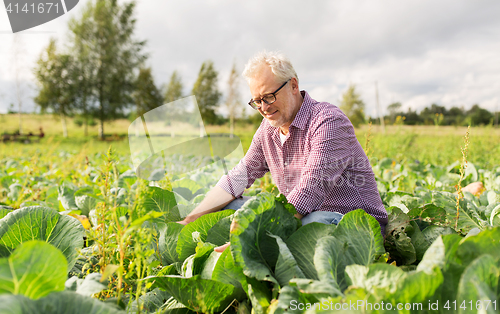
(237, 203)
(323, 217)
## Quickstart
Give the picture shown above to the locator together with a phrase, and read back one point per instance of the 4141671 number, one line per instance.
(39, 8)
(480, 305)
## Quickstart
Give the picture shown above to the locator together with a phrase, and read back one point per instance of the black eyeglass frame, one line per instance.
(254, 105)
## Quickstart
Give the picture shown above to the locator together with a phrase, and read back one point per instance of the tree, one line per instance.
(87, 71)
(173, 90)
(353, 106)
(429, 114)
(455, 116)
(107, 28)
(233, 97)
(412, 117)
(206, 92)
(479, 116)
(394, 109)
(57, 88)
(146, 95)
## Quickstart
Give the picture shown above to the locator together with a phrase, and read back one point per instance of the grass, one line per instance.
(426, 144)
(116, 135)
(439, 146)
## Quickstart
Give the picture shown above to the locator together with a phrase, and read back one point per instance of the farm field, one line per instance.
(80, 233)
(398, 142)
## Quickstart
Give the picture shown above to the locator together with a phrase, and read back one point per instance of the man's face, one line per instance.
(280, 113)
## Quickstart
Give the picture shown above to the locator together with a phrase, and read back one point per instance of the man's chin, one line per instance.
(275, 123)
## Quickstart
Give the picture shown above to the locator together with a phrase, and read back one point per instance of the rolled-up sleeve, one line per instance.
(251, 167)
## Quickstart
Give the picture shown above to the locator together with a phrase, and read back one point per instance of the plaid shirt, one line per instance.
(320, 166)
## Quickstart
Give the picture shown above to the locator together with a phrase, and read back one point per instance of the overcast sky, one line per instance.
(419, 51)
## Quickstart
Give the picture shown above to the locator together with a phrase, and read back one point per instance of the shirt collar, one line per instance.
(304, 112)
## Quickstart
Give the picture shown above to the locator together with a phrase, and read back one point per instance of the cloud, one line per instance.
(418, 51)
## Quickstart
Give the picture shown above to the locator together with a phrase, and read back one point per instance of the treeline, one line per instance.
(439, 115)
(100, 74)
(354, 107)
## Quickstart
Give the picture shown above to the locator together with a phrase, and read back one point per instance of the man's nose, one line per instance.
(265, 106)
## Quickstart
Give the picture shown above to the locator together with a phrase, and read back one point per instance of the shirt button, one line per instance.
(287, 190)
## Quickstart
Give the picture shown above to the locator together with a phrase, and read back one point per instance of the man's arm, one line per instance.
(215, 200)
(252, 166)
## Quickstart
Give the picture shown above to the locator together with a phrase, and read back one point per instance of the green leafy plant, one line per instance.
(127, 253)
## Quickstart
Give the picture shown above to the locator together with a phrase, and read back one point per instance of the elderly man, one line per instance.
(308, 146)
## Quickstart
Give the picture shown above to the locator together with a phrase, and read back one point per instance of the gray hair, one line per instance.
(280, 65)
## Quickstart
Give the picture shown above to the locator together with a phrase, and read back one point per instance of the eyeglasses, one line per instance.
(268, 98)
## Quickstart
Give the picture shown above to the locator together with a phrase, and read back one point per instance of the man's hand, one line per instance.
(215, 200)
(475, 188)
(189, 218)
(221, 248)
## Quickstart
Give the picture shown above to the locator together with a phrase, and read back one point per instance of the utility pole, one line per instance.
(381, 116)
(496, 116)
(17, 54)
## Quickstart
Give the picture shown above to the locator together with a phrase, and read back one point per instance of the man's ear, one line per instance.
(295, 85)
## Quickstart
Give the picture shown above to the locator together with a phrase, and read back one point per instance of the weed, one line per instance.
(438, 119)
(368, 138)
(463, 166)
